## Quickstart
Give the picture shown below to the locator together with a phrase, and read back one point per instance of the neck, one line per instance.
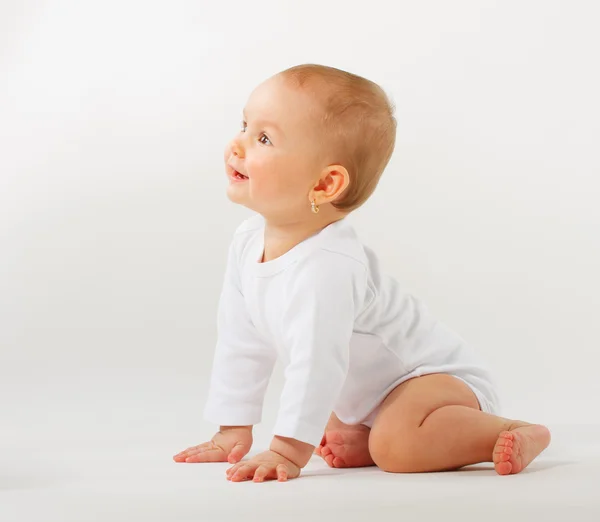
(283, 235)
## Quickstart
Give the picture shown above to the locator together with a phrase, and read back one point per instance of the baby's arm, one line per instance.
(325, 297)
(243, 361)
(241, 369)
(322, 300)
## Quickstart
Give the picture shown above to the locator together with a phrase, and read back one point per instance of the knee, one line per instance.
(393, 453)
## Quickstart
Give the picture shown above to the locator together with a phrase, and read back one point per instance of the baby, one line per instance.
(371, 378)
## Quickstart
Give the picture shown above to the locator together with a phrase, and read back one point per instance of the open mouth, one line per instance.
(234, 175)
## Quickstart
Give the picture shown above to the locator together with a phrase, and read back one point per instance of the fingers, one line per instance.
(231, 471)
(209, 455)
(237, 453)
(241, 472)
(207, 452)
(182, 455)
(261, 473)
(257, 472)
(282, 473)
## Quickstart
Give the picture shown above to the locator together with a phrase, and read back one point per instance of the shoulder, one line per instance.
(330, 259)
(340, 245)
(328, 279)
(327, 270)
(335, 252)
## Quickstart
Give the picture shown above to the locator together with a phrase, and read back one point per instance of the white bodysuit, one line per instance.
(346, 333)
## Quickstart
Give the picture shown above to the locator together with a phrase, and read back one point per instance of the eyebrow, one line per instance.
(266, 123)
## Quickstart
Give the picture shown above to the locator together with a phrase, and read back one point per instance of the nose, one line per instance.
(236, 148)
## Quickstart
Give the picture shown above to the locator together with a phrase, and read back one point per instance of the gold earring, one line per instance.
(314, 208)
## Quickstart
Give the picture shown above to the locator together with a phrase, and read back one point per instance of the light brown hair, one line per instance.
(358, 124)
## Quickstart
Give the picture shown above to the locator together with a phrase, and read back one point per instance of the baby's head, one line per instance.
(311, 133)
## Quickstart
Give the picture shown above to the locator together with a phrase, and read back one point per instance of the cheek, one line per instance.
(277, 178)
(266, 175)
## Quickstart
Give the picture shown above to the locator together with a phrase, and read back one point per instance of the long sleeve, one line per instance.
(243, 362)
(322, 301)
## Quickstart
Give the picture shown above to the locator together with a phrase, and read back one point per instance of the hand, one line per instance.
(228, 445)
(268, 465)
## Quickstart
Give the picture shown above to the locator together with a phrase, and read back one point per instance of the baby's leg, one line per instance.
(433, 423)
(344, 445)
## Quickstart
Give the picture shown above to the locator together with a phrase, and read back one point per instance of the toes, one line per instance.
(327, 455)
(329, 459)
(502, 441)
(338, 463)
(503, 453)
(503, 468)
(503, 450)
(501, 457)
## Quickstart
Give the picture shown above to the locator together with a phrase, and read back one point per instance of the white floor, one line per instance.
(133, 480)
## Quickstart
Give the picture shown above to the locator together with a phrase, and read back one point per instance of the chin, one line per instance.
(238, 199)
(234, 196)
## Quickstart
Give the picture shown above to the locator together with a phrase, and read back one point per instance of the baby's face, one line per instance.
(277, 149)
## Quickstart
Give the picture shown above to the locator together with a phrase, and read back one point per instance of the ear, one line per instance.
(332, 182)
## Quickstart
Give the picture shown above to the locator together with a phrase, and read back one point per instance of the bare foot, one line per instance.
(516, 448)
(345, 446)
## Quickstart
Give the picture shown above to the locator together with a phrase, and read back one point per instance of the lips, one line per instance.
(235, 174)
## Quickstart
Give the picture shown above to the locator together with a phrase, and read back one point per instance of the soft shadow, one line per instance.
(532, 468)
(327, 472)
(476, 469)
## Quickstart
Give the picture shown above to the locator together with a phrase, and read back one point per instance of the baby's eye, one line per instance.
(268, 142)
(244, 125)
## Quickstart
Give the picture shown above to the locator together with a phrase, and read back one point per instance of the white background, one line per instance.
(114, 223)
